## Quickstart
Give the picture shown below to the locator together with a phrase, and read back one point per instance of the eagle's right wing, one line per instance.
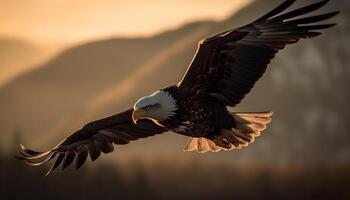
(226, 66)
(94, 138)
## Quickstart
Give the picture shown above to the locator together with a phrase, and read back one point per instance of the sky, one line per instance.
(83, 20)
(55, 25)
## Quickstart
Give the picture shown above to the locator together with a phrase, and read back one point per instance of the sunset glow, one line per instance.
(80, 20)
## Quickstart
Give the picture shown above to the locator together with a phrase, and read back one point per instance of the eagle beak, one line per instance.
(137, 114)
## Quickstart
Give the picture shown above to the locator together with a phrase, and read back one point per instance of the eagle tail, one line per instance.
(201, 145)
(248, 127)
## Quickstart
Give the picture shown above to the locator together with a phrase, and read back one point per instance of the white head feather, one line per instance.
(165, 105)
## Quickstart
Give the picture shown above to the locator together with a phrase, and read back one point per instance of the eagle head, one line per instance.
(157, 107)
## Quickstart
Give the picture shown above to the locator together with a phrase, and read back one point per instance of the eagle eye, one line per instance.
(147, 108)
(151, 106)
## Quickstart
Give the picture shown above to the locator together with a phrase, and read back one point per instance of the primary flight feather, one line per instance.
(224, 69)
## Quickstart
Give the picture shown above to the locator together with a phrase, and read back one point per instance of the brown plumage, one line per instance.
(94, 138)
(226, 66)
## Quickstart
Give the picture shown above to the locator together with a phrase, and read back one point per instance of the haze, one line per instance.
(34, 31)
(81, 20)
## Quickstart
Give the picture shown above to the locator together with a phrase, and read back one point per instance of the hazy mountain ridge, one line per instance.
(76, 75)
(16, 56)
(303, 123)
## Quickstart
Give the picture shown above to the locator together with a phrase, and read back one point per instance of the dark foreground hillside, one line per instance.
(171, 179)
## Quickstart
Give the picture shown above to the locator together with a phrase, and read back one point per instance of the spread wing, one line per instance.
(94, 138)
(226, 66)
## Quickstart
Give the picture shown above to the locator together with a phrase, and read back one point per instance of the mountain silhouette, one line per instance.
(17, 56)
(34, 102)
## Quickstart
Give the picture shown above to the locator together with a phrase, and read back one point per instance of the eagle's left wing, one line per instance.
(94, 138)
(226, 66)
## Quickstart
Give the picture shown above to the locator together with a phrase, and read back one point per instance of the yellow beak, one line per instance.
(138, 114)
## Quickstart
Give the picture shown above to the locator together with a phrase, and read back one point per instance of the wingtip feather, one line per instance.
(279, 9)
(301, 11)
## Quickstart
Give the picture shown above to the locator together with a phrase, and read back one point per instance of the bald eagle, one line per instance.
(223, 70)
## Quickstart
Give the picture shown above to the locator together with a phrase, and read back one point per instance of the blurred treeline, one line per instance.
(173, 180)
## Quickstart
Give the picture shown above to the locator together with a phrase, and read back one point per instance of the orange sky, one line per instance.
(81, 20)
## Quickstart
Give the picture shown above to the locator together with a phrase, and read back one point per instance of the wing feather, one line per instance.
(68, 159)
(228, 65)
(81, 158)
(285, 5)
(94, 138)
(301, 11)
(57, 162)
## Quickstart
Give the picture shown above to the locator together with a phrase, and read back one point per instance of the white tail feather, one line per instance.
(201, 145)
(191, 145)
(248, 127)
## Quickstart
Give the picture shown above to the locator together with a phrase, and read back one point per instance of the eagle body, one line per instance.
(223, 71)
(195, 116)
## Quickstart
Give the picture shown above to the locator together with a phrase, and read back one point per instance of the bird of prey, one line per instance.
(223, 70)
